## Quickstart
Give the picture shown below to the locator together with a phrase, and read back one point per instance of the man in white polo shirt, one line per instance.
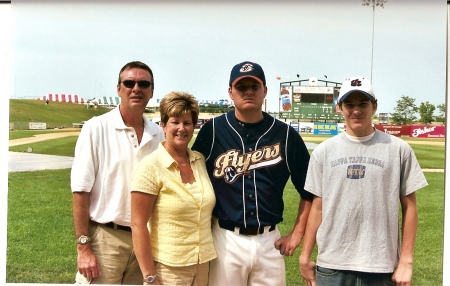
(107, 150)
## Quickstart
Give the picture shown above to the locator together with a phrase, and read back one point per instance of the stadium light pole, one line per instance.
(374, 3)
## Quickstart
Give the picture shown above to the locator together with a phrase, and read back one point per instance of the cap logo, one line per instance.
(246, 68)
(355, 82)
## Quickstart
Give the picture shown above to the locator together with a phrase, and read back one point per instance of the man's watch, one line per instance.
(149, 279)
(83, 239)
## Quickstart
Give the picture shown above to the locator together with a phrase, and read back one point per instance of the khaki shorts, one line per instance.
(194, 275)
(114, 251)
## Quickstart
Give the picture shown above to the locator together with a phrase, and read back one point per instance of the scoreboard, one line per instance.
(309, 102)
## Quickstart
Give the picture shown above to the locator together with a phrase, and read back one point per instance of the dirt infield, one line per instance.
(434, 143)
(43, 137)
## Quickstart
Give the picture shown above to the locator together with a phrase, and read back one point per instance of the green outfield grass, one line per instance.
(62, 146)
(40, 237)
(430, 156)
(56, 114)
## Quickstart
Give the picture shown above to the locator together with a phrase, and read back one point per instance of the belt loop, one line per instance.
(266, 229)
(115, 226)
(236, 230)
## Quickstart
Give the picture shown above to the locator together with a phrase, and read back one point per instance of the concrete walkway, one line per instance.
(22, 162)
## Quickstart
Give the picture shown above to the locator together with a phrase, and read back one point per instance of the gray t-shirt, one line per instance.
(360, 183)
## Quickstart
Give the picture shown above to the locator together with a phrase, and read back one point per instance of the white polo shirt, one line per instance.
(106, 153)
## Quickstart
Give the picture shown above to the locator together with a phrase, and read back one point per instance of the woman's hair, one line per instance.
(177, 103)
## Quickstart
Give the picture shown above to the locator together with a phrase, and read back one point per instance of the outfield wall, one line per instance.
(414, 131)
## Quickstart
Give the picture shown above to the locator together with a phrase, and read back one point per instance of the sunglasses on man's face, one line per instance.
(141, 84)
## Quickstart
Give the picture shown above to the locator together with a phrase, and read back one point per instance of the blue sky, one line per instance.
(78, 47)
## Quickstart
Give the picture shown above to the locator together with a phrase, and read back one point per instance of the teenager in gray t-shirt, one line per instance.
(359, 178)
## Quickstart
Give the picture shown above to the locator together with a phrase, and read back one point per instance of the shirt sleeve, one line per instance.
(412, 177)
(204, 141)
(298, 160)
(144, 178)
(85, 163)
(314, 176)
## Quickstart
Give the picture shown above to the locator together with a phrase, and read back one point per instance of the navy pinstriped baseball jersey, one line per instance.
(249, 165)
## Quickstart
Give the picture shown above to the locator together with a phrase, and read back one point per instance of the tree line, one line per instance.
(406, 111)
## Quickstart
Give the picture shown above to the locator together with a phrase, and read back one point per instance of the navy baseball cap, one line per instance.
(247, 69)
(354, 84)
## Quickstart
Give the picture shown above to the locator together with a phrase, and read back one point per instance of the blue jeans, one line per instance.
(330, 277)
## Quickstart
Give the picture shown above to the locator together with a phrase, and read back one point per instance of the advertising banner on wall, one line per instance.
(417, 131)
(396, 130)
(286, 99)
(422, 131)
(37, 125)
(321, 128)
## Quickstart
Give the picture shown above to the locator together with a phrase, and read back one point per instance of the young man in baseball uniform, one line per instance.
(250, 156)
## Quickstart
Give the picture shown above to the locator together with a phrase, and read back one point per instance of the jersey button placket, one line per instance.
(250, 149)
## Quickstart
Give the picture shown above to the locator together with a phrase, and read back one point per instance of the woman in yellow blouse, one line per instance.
(172, 201)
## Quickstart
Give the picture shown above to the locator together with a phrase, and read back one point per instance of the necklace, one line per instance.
(183, 164)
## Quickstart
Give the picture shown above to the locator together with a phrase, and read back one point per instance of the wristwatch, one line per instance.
(83, 239)
(149, 279)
